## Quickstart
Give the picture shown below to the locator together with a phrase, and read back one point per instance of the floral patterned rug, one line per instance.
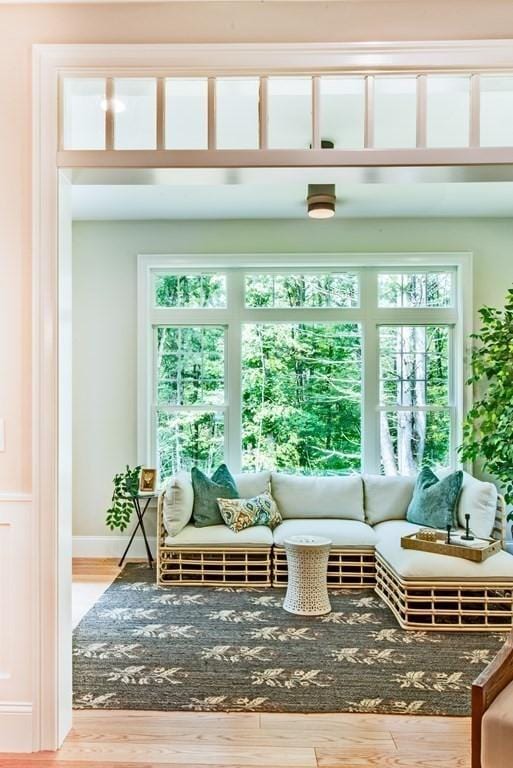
(228, 649)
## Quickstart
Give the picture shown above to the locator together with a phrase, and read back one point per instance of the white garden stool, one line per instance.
(307, 562)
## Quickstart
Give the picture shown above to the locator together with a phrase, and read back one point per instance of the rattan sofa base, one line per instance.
(348, 568)
(214, 566)
(472, 606)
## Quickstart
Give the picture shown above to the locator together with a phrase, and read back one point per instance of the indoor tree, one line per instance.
(488, 427)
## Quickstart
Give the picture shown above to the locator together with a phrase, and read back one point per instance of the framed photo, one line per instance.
(148, 480)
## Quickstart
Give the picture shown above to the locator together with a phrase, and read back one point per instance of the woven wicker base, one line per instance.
(215, 567)
(349, 568)
(445, 606)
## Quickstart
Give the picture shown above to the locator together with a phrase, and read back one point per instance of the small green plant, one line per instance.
(488, 427)
(126, 486)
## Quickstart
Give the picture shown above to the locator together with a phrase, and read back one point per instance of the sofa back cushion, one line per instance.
(386, 498)
(479, 499)
(252, 484)
(300, 496)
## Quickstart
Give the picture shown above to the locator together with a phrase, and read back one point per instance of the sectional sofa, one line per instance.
(365, 518)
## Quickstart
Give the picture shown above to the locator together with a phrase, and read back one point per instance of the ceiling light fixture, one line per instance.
(321, 200)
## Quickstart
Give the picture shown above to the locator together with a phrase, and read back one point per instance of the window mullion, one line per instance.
(233, 370)
(371, 458)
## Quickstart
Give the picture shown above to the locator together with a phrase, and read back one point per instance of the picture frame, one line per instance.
(148, 480)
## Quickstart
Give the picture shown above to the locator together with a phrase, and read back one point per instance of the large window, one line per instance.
(301, 369)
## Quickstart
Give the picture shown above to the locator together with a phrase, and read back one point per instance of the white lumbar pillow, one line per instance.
(386, 498)
(310, 496)
(479, 499)
(177, 503)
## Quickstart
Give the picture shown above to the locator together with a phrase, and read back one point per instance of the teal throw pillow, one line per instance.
(434, 502)
(207, 491)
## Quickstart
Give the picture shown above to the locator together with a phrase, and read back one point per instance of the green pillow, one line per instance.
(434, 502)
(207, 491)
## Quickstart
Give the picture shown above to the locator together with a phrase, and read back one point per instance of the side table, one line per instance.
(307, 561)
(140, 512)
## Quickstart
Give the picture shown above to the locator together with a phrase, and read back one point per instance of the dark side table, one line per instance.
(141, 503)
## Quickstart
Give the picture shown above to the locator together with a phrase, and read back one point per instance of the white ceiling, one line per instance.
(287, 200)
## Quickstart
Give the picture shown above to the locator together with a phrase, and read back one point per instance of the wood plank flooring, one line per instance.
(243, 740)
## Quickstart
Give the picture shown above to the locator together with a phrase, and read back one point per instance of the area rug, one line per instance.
(228, 649)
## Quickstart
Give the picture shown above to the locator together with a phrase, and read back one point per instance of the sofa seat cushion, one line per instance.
(414, 565)
(311, 496)
(343, 533)
(386, 498)
(497, 731)
(221, 536)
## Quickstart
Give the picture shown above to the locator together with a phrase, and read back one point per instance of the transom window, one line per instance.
(301, 369)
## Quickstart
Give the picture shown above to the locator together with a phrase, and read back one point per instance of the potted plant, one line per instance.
(488, 426)
(126, 487)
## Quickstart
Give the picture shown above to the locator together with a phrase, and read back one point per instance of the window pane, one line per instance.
(304, 290)
(395, 111)
(448, 111)
(289, 106)
(187, 113)
(342, 113)
(301, 398)
(197, 290)
(412, 289)
(186, 439)
(84, 113)
(414, 365)
(190, 365)
(413, 439)
(496, 106)
(135, 124)
(237, 113)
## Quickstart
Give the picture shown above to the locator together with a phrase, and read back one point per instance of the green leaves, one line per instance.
(488, 427)
(126, 486)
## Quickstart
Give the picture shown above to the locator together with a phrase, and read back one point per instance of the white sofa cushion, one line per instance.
(343, 533)
(221, 536)
(300, 496)
(177, 503)
(386, 498)
(250, 484)
(479, 499)
(414, 565)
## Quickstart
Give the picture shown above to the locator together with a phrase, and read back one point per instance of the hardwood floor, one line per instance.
(246, 740)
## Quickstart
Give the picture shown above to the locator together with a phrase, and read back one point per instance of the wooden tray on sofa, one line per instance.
(440, 546)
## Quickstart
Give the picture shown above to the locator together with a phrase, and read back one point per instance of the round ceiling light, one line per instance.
(321, 201)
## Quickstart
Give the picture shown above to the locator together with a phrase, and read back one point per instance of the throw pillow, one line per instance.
(177, 503)
(207, 491)
(434, 502)
(244, 513)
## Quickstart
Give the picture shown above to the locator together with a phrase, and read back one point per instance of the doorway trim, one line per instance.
(51, 523)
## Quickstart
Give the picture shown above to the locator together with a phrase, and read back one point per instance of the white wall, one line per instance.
(104, 321)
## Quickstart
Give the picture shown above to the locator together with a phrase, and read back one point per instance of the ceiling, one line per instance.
(287, 200)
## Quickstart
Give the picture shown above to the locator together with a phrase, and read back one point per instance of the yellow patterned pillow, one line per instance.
(244, 513)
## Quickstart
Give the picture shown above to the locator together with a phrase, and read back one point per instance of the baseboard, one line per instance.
(111, 546)
(15, 727)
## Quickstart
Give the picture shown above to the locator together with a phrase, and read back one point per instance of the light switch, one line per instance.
(2, 435)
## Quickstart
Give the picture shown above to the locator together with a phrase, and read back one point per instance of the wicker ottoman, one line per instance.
(307, 560)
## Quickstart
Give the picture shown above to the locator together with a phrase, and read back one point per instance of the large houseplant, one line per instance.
(126, 487)
(488, 427)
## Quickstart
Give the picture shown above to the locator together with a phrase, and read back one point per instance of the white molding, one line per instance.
(111, 546)
(16, 726)
(12, 498)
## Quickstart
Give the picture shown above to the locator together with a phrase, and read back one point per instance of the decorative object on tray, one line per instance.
(435, 500)
(426, 534)
(148, 480)
(307, 590)
(239, 514)
(476, 550)
(467, 536)
(207, 491)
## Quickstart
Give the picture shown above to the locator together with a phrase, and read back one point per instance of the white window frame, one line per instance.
(369, 315)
